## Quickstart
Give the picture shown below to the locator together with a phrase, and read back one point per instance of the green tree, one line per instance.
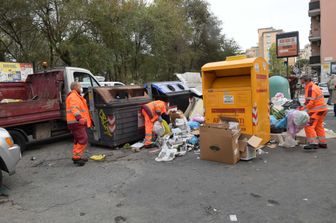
(132, 40)
(303, 65)
(277, 66)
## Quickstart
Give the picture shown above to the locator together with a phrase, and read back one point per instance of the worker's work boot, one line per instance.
(310, 147)
(323, 146)
(79, 162)
(84, 159)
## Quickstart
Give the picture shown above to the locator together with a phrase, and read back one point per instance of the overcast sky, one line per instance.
(242, 18)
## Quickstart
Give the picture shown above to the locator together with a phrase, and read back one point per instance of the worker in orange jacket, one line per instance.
(78, 120)
(317, 110)
(152, 112)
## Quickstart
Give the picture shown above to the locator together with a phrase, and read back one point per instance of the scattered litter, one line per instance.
(279, 100)
(254, 141)
(196, 132)
(120, 219)
(261, 152)
(194, 125)
(272, 203)
(99, 157)
(127, 146)
(199, 119)
(33, 158)
(81, 214)
(233, 217)
(305, 199)
(255, 195)
(136, 147)
(330, 134)
(158, 128)
(289, 142)
(154, 151)
(209, 210)
(272, 146)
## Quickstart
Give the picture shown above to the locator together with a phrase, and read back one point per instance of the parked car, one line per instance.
(324, 88)
(111, 83)
(10, 154)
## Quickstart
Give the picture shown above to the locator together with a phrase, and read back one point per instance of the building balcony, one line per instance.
(314, 8)
(315, 60)
(315, 37)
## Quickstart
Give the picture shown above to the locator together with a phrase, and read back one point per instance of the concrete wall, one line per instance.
(328, 30)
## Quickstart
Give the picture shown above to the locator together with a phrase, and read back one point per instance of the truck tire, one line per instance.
(19, 139)
(0, 178)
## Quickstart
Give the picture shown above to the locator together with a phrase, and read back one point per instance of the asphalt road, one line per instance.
(285, 185)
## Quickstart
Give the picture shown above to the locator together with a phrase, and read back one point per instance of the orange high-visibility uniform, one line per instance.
(317, 110)
(77, 109)
(150, 112)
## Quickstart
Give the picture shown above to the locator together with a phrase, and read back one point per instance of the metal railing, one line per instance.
(314, 5)
(315, 60)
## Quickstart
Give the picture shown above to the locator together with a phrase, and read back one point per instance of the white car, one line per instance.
(10, 154)
(324, 88)
(111, 83)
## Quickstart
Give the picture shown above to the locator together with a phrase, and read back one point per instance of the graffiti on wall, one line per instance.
(108, 123)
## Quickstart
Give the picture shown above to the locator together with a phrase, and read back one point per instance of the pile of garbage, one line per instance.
(182, 134)
(287, 123)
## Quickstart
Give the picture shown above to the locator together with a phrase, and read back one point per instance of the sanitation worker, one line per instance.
(78, 120)
(317, 110)
(152, 112)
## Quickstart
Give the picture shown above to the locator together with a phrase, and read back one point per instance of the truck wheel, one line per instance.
(19, 139)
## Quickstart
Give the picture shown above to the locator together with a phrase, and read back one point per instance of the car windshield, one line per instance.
(323, 85)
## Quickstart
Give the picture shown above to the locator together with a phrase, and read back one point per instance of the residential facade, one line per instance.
(322, 37)
(267, 37)
(252, 52)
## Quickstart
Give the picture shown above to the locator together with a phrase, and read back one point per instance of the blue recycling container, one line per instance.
(174, 92)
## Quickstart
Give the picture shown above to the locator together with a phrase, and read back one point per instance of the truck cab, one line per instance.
(81, 75)
(35, 109)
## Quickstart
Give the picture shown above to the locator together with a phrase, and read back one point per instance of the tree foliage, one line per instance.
(127, 40)
(277, 66)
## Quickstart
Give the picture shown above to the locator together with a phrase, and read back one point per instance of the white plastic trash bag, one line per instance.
(301, 118)
(288, 142)
(158, 128)
(279, 99)
(166, 153)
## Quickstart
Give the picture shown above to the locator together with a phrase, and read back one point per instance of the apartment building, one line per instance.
(323, 37)
(266, 37)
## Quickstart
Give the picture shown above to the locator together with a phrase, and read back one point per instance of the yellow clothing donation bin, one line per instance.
(238, 88)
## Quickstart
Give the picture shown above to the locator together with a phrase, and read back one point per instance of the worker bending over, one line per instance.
(152, 112)
(317, 110)
(78, 120)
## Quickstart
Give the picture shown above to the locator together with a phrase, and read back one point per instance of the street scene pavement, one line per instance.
(284, 185)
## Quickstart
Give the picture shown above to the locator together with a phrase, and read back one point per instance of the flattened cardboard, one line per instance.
(219, 144)
(254, 141)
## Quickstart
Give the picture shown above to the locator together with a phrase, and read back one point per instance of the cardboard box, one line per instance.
(219, 144)
(249, 153)
(246, 152)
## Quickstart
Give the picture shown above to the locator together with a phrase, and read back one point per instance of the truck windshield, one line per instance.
(85, 79)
